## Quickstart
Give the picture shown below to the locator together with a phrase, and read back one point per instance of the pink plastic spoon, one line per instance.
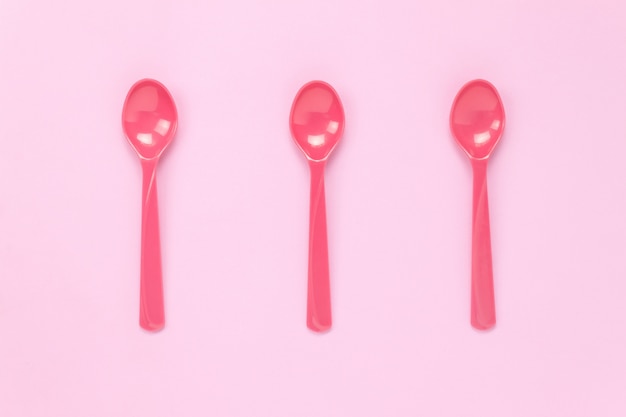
(477, 122)
(317, 122)
(149, 120)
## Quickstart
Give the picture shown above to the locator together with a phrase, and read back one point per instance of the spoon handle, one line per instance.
(318, 302)
(151, 315)
(483, 314)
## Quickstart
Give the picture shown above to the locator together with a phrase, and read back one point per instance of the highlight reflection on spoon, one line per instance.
(149, 120)
(477, 122)
(317, 122)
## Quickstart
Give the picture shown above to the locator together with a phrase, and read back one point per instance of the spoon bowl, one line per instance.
(149, 118)
(477, 118)
(317, 120)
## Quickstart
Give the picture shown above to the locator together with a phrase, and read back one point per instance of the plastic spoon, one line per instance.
(149, 120)
(477, 122)
(317, 122)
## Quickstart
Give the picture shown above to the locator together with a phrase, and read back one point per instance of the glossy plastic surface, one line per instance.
(477, 122)
(149, 120)
(317, 123)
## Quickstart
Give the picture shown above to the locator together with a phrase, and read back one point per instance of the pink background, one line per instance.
(233, 194)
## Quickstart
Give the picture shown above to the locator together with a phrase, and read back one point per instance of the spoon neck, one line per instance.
(317, 167)
(317, 184)
(479, 165)
(149, 181)
(149, 164)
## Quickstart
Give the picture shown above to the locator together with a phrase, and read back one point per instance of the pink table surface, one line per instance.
(233, 193)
